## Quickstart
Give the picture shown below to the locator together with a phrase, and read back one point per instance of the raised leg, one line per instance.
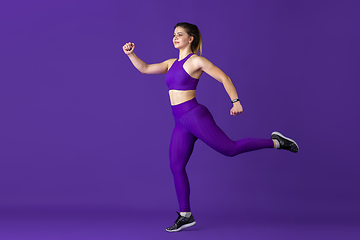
(201, 124)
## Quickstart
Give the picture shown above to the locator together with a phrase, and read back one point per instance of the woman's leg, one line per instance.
(181, 147)
(200, 123)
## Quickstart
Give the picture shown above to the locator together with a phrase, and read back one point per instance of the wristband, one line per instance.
(235, 100)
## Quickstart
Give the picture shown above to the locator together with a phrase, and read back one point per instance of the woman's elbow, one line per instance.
(143, 70)
(225, 80)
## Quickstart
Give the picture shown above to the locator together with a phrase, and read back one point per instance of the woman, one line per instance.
(192, 120)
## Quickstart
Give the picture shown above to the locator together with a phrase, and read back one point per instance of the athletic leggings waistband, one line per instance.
(180, 109)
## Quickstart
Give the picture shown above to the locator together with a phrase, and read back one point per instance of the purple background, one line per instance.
(84, 136)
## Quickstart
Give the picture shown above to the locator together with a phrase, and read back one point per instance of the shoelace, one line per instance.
(179, 217)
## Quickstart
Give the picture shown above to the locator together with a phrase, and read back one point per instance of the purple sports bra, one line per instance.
(178, 79)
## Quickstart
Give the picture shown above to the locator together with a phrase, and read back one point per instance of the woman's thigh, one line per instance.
(181, 146)
(201, 124)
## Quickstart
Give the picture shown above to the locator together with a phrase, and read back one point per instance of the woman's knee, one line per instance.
(177, 168)
(229, 150)
(230, 153)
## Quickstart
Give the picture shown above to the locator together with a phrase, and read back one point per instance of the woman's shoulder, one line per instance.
(196, 57)
(170, 60)
(198, 60)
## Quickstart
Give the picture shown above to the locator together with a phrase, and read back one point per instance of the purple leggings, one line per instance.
(194, 121)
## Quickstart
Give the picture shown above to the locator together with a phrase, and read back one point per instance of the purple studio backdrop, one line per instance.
(80, 126)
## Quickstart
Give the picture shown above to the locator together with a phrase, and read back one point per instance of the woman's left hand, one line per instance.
(236, 109)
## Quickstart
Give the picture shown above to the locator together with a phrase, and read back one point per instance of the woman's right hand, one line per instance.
(129, 48)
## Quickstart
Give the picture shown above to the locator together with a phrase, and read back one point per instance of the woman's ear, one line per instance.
(191, 38)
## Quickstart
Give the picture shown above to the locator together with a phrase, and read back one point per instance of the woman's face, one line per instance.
(181, 38)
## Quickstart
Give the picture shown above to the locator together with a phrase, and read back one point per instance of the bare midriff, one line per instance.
(180, 96)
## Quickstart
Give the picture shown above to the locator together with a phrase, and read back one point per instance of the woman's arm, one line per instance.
(215, 72)
(140, 65)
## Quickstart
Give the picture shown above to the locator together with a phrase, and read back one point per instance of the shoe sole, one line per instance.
(182, 227)
(289, 139)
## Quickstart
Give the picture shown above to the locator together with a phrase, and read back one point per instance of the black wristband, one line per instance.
(235, 100)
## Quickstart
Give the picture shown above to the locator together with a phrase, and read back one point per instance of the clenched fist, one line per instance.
(128, 48)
